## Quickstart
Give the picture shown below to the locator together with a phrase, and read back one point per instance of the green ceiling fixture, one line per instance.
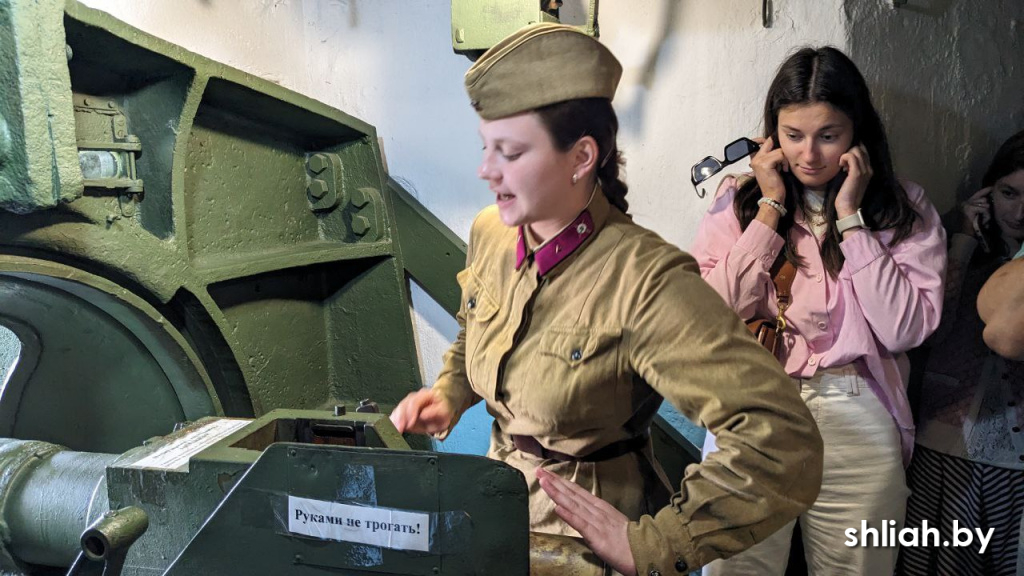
(479, 24)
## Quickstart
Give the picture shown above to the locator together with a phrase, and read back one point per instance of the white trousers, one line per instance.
(863, 480)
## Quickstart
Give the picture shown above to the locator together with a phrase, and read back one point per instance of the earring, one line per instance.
(575, 178)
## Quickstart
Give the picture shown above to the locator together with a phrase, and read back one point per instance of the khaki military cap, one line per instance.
(539, 65)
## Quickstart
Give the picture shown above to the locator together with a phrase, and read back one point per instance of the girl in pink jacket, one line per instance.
(870, 257)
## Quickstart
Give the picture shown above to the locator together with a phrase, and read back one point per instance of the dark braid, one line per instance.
(571, 120)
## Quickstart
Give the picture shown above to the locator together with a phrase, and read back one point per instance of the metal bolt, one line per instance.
(359, 197)
(293, 452)
(68, 52)
(367, 405)
(316, 189)
(460, 35)
(111, 105)
(360, 225)
(339, 410)
(318, 163)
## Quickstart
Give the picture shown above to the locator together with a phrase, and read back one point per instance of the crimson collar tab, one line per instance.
(554, 251)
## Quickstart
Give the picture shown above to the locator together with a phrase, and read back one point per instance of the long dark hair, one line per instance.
(826, 75)
(571, 120)
(1008, 159)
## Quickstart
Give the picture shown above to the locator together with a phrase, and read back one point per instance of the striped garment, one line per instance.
(976, 495)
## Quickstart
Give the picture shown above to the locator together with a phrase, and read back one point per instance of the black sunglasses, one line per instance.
(710, 166)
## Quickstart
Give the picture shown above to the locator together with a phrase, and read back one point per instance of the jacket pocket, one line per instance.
(477, 302)
(579, 367)
(479, 308)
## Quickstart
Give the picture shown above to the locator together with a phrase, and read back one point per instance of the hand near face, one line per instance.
(422, 412)
(767, 165)
(857, 166)
(976, 211)
(602, 526)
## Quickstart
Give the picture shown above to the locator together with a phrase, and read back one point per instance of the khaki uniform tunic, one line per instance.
(578, 344)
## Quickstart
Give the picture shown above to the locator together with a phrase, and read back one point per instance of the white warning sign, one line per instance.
(382, 527)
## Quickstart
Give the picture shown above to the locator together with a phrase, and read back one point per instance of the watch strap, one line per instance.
(855, 220)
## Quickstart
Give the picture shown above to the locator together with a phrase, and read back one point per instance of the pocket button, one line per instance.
(576, 355)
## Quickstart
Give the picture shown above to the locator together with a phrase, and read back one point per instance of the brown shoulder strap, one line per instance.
(783, 274)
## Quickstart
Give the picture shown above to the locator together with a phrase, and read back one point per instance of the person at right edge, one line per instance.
(870, 256)
(969, 461)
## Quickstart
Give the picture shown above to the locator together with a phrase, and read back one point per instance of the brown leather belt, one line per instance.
(532, 446)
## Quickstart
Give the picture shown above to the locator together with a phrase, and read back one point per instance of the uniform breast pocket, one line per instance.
(580, 370)
(481, 308)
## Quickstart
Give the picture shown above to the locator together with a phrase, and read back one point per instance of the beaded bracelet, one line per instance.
(778, 207)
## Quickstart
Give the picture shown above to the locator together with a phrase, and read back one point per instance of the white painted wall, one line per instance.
(262, 37)
(695, 77)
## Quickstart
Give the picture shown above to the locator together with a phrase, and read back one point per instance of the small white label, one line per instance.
(382, 527)
(174, 456)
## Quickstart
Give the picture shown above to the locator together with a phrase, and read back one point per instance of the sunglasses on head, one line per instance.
(710, 166)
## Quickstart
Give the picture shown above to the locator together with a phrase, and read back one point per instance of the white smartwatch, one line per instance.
(854, 220)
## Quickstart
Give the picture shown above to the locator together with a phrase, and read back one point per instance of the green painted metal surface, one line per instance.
(433, 254)
(247, 231)
(475, 512)
(479, 24)
(179, 501)
(99, 368)
(211, 498)
(38, 159)
(48, 496)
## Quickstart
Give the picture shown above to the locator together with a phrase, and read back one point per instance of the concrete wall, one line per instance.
(949, 79)
(695, 78)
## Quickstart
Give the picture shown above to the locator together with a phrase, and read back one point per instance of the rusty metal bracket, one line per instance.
(107, 153)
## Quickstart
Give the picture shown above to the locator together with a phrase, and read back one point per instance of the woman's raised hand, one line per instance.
(857, 165)
(422, 412)
(768, 164)
(602, 526)
(976, 211)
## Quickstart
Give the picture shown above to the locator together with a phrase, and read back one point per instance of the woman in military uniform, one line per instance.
(576, 323)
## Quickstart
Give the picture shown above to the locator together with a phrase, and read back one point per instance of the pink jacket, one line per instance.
(884, 302)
